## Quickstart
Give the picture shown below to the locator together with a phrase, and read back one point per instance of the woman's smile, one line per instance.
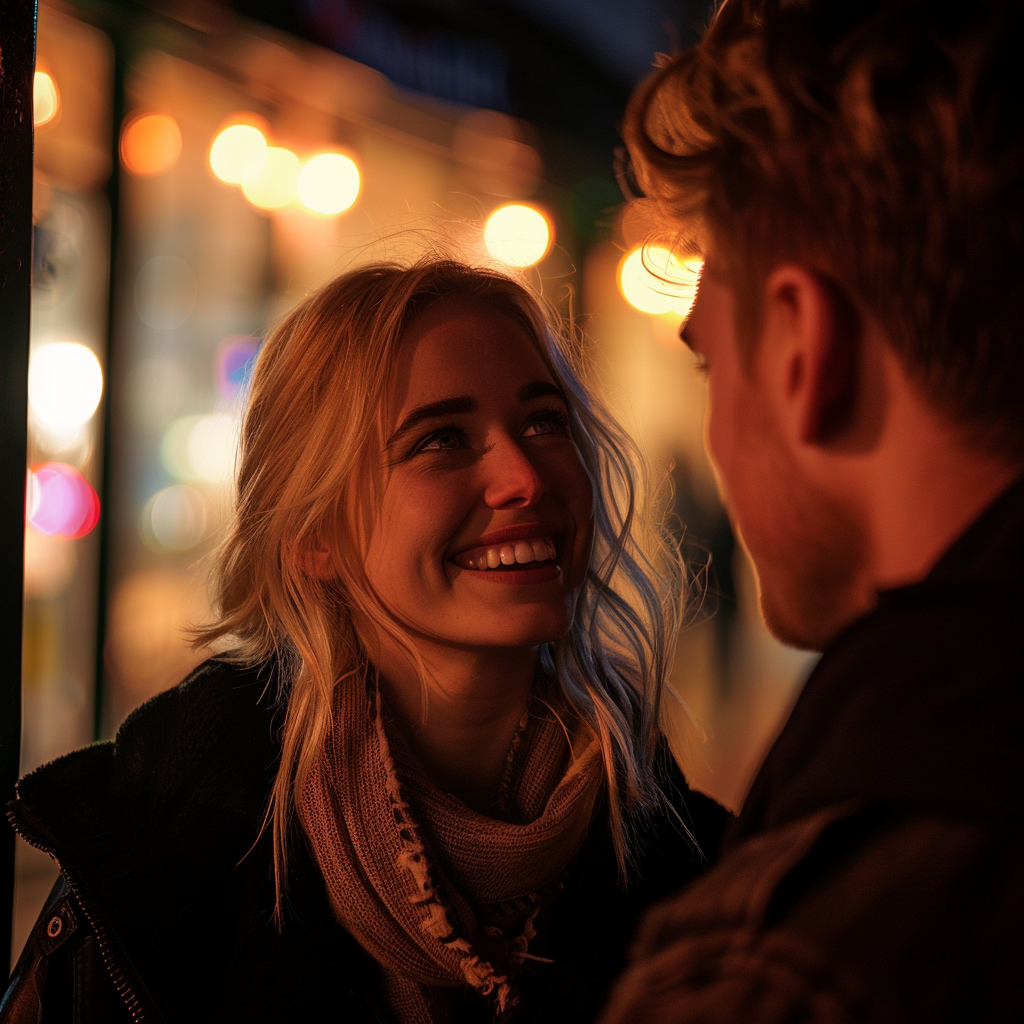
(517, 554)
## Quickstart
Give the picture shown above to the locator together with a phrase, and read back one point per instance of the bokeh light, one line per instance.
(175, 519)
(150, 144)
(45, 99)
(273, 186)
(201, 448)
(65, 384)
(238, 153)
(61, 501)
(517, 235)
(328, 183)
(654, 280)
(147, 649)
(235, 359)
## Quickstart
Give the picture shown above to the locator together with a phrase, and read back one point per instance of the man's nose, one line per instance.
(512, 480)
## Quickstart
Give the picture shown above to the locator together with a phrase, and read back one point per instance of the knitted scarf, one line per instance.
(442, 897)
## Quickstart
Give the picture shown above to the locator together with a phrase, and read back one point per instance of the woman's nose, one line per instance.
(512, 479)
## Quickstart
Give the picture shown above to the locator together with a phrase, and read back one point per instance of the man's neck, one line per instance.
(926, 487)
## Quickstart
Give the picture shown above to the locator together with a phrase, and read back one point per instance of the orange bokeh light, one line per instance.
(655, 280)
(150, 144)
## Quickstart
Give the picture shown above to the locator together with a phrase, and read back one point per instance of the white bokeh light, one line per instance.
(517, 235)
(238, 153)
(329, 183)
(201, 448)
(273, 186)
(65, 384)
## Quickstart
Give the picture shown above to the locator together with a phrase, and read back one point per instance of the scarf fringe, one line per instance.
(413, 859)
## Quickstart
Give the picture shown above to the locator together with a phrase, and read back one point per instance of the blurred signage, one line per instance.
(443, 63)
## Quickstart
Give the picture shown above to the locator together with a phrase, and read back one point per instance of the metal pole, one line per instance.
(17, 63)
(111, 372)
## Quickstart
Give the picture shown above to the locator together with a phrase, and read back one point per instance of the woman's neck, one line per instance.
(462, 725)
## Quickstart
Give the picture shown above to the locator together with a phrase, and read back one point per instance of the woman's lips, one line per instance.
(536, 572)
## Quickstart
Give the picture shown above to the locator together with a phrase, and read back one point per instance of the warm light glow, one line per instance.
(45, 99)
(50, 564)
(61, 501)
(655, 280)
(274, 185)
(65, 384)
(238, 153)
(517, 235)
(151, 144)
(329, 183)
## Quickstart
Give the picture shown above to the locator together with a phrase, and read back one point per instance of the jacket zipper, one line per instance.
(117, 975)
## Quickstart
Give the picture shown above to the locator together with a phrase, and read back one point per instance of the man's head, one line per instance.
(853, 173)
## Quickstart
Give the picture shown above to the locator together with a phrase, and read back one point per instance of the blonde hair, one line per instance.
(309, 480)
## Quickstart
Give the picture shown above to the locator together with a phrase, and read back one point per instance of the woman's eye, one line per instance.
(442, 440)
(550, 422)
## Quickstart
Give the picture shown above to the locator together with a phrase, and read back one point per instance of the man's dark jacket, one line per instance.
(876, 872)
(163, 912)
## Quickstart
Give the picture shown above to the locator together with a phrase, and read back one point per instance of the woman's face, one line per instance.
(484, 532)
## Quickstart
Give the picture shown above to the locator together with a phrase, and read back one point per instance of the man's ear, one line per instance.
(817, 333)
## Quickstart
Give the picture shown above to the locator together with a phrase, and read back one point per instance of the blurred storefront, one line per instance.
(197, 172)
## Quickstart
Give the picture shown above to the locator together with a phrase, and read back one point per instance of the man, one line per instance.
(852, 174)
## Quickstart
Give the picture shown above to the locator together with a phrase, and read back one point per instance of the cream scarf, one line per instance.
(441, 896)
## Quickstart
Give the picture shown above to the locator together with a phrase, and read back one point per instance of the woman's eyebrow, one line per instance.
(538, 389)
(445, 407)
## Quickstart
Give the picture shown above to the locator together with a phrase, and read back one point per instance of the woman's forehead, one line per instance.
(459, 343)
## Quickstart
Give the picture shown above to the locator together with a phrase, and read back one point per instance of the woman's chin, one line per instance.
(541, 626)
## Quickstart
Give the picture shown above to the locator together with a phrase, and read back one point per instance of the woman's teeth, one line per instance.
(522, 551)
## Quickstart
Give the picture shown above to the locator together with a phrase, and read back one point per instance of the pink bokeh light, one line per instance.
(60, 501)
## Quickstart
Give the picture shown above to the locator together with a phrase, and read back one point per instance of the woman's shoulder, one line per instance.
(205, 747)
(220, 710)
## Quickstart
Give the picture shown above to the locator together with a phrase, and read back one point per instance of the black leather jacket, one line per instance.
(163, 910)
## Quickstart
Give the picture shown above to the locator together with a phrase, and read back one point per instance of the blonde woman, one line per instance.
(425, 781)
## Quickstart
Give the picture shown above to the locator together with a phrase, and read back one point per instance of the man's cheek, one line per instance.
(717, 441)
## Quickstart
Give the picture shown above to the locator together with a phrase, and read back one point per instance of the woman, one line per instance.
(446, 628)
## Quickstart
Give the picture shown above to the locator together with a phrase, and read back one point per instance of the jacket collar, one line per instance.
(159, 834)
(917, 705)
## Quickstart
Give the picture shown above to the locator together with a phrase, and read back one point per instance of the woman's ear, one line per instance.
(314, 561)
(317, 562)
(818, 336)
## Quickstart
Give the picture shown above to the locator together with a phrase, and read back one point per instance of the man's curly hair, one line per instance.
(879, 142)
